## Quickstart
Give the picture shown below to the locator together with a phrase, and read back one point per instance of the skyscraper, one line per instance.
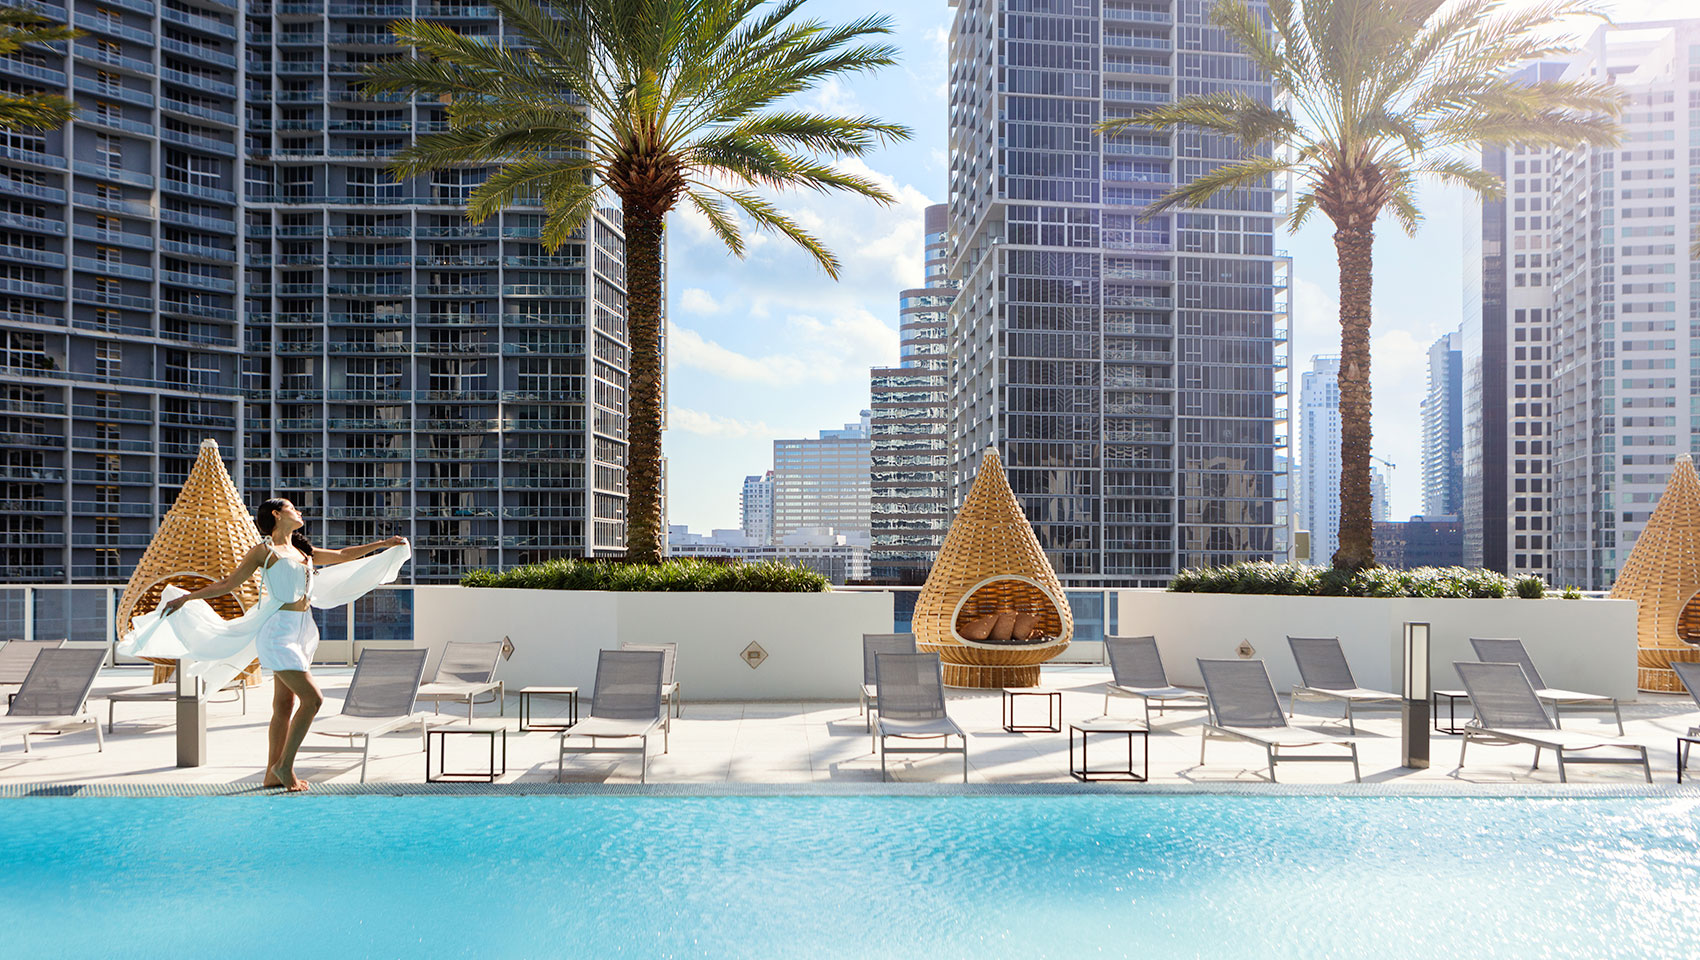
(215, 248)
(755, 508)
(1130, 370)
(1506, 366)
(823, 482)
(910, 506)
(1625, 364)
(1443, 428)
(1319, 457)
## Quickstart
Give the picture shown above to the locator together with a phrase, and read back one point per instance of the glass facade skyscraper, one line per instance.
(1443, 428)
(910, 506)
(1131, 370)
(214, 248)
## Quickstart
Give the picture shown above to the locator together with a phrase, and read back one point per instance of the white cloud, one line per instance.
(838, 349)
(714, 425)
(698, 300)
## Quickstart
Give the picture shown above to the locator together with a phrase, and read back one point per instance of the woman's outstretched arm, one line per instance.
(250, 562)
(326, 557)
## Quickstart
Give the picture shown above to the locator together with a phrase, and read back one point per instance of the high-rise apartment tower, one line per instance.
(1443, 428)
(1129, 369)
(1319, 457)
(215, 248)
(910, 506)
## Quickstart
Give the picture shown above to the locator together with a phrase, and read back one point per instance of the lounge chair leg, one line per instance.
(1350, 723)
(1292, 703)
(643, 761)
(1537, 764)
(111, 711)
(1557, 721)
(964, 758)
(1561, 777)
(100, 741)
(365, 755)
(1271, 752)
(1357, 776)
(561, 758)
(1646, 767)
(502, 698)
(1148, 711)
(1203, 741)
(1618, 713)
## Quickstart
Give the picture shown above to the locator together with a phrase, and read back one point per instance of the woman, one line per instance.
(279, 628)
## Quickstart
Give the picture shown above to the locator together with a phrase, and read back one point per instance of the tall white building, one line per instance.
(1625, 315)
(1129, 369)
(1319, 457)
(1506, 364)
(755, 508)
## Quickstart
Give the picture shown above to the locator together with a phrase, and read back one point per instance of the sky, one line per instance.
(770, 347)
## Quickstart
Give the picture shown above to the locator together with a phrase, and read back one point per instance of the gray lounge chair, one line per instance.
(625, 704)
(54, 696)
(911, 693)
(1689, 673)
(1243, 707)
(1509, 711)
(17, 656)
(1137, 671)
(165, 693)
(669, 676)
(466, 672)
(874, 644)
(1510, 650)
(1325, 676)
(380, 700)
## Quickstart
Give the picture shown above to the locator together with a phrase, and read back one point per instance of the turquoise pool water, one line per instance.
(803, 877)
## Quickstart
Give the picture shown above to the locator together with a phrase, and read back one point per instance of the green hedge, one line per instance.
(1297, 580)
(685, 576)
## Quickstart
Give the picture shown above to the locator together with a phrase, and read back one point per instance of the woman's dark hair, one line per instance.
(266, 519)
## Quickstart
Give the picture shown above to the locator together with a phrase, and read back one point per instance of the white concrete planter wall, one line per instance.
(1585, 645)
(813, 640)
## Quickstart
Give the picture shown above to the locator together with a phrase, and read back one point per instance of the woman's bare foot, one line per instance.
(296, 784)
(271, 780)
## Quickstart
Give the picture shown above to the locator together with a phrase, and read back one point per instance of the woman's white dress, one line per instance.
(216, 649)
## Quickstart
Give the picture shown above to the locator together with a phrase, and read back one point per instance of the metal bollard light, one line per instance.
(1416, 694)
(191, 720)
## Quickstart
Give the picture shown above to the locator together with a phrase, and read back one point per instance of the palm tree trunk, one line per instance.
(1353, 246)
(644, 520)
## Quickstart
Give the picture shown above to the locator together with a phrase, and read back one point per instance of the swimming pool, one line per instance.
(934, 877)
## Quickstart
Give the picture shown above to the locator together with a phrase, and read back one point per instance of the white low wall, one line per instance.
(1584, 645)
(813, 640)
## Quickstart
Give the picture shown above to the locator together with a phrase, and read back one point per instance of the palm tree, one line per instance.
(1377, 95)
(35, 111)
(656, 102)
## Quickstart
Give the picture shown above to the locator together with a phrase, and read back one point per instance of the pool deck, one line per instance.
(732, 743)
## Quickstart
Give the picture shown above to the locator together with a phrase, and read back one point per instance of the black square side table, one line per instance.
(438, 737)
(1110, 725)
(1053, 710)
(525, 695)
(1452, 697)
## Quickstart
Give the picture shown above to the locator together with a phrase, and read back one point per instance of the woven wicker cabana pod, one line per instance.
(991, 562)
(1662, 575)
(201, 540)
